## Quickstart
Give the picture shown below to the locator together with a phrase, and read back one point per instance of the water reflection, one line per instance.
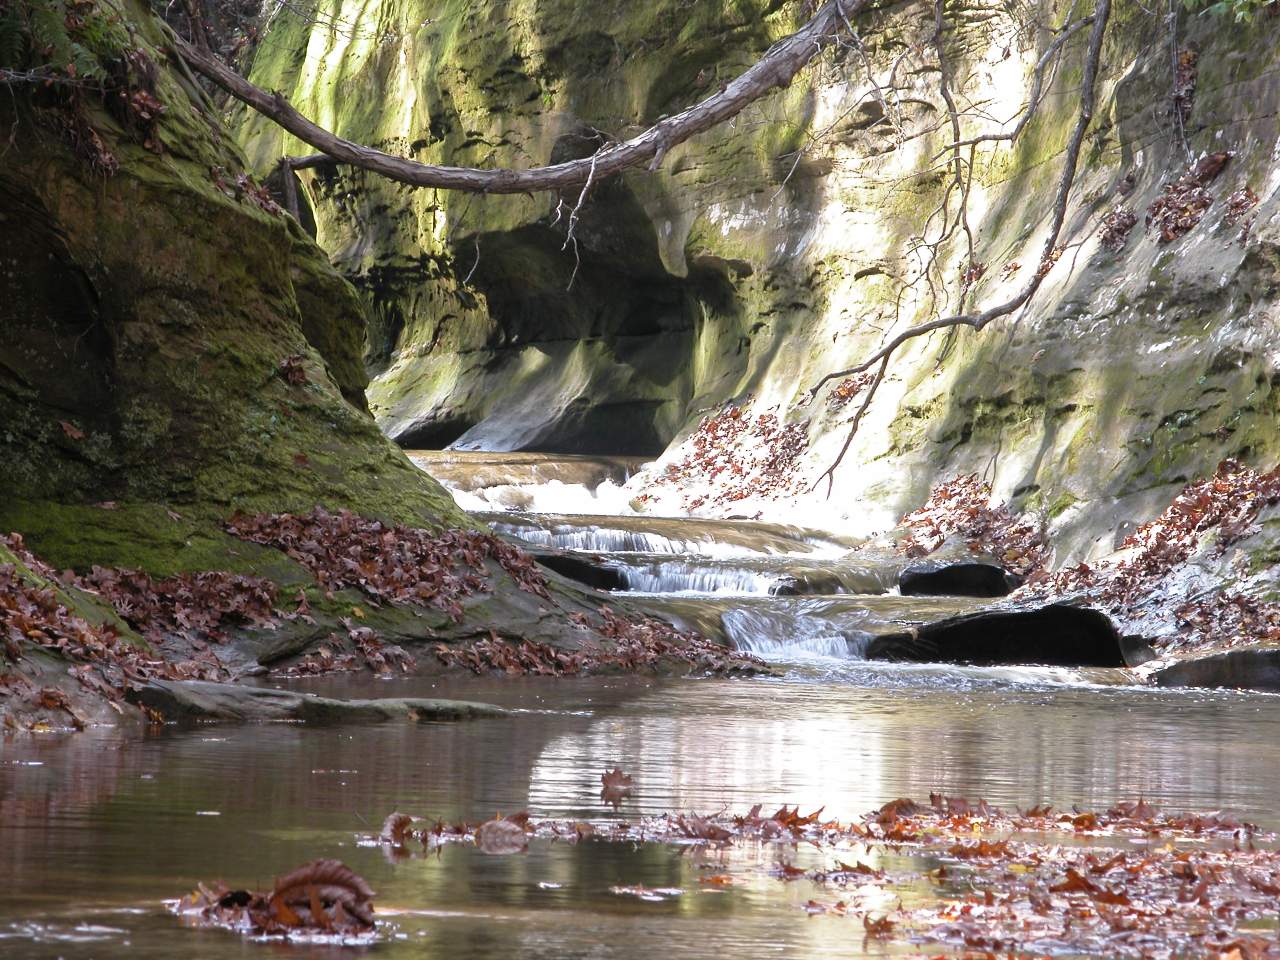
(106, 824)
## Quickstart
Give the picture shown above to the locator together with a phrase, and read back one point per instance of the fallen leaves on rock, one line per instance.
(1239, 203)
(389, 562)
(849, 388)
(1210, 514)
(736, 456)
(628, 643)
(1116, 226)
(103, 663)
(361, 650)
(292, 370)
(197, 606)
(1183, 202)
(321, 898)
(962, 506)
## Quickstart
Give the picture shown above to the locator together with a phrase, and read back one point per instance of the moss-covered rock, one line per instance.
(144, 321)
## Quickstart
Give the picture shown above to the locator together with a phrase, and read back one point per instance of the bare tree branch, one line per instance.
(977, 321)
(777, 68)
(1037, 86)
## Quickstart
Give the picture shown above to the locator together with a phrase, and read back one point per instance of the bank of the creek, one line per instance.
(102, 827)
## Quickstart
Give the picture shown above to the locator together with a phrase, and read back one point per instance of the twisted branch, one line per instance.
(777, 68)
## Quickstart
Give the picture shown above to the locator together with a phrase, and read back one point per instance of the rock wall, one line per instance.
(775, 249)
(147, 321)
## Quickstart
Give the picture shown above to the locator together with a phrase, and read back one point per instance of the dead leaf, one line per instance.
(501, 838)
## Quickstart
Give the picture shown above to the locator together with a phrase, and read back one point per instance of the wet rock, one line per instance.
(1257, 668)
(592, 572)
(966, 579)
(835, 580)
(194, 700)
(1057, 635)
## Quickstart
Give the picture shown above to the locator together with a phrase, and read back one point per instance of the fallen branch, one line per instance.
(777, 68)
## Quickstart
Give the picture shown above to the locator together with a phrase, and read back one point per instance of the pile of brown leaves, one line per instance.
(103, 662)
(961, 506)
(242, 187)
(391, 563)
(632, 644)
(292, 371)
(194, 605)
(739, 457)
(1184, 201)
(1230, 618)
(642, 643)
(1115, 228)
(1240, 203)
(849, 388)
(1224, 506)
(362, 650)
(522, 658)
(323, 898)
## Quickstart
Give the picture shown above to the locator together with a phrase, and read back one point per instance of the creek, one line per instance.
(98, 829)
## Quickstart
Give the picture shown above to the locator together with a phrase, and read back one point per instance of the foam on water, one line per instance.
(554, 496)
(783, 635)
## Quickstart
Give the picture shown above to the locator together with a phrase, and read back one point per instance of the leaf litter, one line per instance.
(1128, 881)
(322, 900)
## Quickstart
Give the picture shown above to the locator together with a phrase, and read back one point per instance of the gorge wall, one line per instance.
(777, 248)
(174, 348)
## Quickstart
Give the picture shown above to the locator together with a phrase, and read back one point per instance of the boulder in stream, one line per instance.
(1057, 635)
(973, 578)
(198, 700)
(1255, 668)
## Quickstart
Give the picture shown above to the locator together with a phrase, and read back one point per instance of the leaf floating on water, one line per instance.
(502, 837)
(323, 897)
(616, 786)
(397, 829)
(880, 928)
(327, 883)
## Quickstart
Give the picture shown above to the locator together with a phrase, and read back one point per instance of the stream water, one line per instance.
(98, 829)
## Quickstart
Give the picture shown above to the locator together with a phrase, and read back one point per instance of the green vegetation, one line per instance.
(1242, 11)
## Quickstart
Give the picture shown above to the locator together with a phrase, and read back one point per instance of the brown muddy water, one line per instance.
(98, 829)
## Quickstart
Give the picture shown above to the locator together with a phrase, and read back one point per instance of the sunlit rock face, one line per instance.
(744, 270)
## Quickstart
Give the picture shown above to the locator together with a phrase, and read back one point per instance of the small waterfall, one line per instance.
(593, 539)
(681, 577)
(785, 635)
